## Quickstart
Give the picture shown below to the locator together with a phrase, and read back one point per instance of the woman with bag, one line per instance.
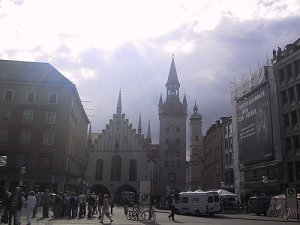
(105, 209)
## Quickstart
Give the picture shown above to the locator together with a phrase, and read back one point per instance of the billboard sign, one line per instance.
(254, 126)
(145, 192)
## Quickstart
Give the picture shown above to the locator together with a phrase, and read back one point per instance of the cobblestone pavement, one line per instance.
(162, 218)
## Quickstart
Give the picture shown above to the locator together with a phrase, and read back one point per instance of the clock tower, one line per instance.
(172, 138)
(196, 164)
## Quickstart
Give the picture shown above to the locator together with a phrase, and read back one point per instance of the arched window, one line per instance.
(132, 170)
(116, 168)
(99, 170)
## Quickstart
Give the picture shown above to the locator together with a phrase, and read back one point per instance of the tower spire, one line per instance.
(149, 132)
(140, 125)
(172, 83)
(119, 105)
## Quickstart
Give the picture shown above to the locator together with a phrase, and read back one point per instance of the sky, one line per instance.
(105, 45)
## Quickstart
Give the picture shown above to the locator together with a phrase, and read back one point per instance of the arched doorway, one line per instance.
(122, 188)
(99, 188)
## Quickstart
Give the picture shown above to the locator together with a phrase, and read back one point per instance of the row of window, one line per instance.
(291, 142)
(30, 97)
(116, 165)
(289, 96)
(291, 119)
(50, 117)
(172, 164)
(168, 141)
(25, 137)
(290, 72)
(177, 129)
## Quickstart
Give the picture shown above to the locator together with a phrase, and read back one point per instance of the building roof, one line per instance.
(172, 78)
(31, 72)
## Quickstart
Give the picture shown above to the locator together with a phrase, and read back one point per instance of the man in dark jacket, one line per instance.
(46, 203)
(14, 205)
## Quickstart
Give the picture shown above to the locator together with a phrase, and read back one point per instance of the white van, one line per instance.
(198, 203)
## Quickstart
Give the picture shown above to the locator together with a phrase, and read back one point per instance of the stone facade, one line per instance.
(170, 168)
(119, 157)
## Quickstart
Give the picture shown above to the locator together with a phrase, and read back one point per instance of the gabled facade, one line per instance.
(119, 157)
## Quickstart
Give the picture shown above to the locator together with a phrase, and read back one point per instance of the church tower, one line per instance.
(196, 163)
(172, 141)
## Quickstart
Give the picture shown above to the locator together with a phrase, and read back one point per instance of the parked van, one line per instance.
(259, 204)
(198, 203)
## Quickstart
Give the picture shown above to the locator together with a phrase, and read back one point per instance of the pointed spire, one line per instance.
(172, 79)
(140, 125)
(149, 132)
(160, 100)
(119, 105)
(184, 102)
(195, 108)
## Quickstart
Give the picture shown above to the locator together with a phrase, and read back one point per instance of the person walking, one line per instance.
(30, 204)
(100, 202)
(46, 203)
(105, 209)
(172, 208)
(14, 205)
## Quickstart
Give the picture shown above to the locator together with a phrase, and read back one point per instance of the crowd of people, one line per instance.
(60, 205)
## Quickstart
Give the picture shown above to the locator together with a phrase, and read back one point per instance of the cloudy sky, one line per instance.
(105, 45)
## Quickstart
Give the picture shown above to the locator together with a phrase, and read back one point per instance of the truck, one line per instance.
(198, 203)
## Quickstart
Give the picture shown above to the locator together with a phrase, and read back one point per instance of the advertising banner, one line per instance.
(145, 192)
(254, 126)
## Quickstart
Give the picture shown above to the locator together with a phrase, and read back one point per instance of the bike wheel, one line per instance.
(129, 215)
(141, 215)
(153, 216)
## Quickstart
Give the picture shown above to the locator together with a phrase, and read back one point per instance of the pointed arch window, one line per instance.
(133, 170)
(116, 168)
(99, 170)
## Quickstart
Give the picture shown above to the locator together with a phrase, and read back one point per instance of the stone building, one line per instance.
(286, 66)
(43, 128)
(170, 167)
(213, 169)
(195, 166)
(119, 158)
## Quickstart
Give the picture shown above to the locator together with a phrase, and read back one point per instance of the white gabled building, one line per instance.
(119, 157)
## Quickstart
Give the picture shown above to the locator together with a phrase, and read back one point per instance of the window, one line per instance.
(3, 136)
(8, 95)
(185, 200)
(5, 114)
(171, 164)
(196, 138)
(210, 199)
(30, 97)
(50, 117)
(27, 116)
(177, 129)
(167, 141)
(99, 170)
(132, 170)
(116, 168)
(216, 199)
(52, 98)
(178, 141)
(48, 138)
(45, 161)
(25, 137)
(172, 176)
